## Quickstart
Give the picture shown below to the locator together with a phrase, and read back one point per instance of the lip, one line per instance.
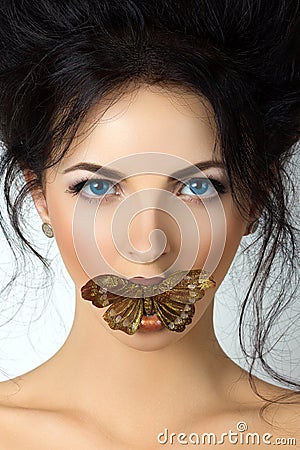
(150, 323)
(146, 281)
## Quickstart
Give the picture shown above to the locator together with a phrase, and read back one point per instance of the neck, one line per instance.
(116, 386)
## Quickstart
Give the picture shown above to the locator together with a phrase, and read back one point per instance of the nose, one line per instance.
(148, 236)
(145, 227)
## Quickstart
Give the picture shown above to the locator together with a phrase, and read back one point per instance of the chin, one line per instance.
(148, 341)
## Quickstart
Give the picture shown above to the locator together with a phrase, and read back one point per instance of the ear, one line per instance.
(37, 195)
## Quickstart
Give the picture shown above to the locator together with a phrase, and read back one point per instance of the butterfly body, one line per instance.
(148, 306)
(172, 300)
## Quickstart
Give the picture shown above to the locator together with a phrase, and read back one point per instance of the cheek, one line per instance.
(86, 246)
(211, 223)
(61, 216)
(235, 230)
(220, 232)
(104, 240)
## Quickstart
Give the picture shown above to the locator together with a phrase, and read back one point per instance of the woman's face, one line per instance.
(108, 226)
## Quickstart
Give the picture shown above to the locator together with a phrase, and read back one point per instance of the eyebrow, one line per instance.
(116, 175)
(94, 168)
(192, 169)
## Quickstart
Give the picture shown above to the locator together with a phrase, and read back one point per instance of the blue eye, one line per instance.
(94, 189)
(99, 187)
(198, 186)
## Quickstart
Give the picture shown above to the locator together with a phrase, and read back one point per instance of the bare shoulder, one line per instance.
(239, 429)
(285, 409)
(28, 423)
(280, 426)
(263, 416)
(30, 429)
(24, 425)
(279, 422)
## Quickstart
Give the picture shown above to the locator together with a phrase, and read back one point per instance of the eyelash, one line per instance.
(75, 188)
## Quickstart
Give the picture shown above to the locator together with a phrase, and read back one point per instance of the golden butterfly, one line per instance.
(172, 300)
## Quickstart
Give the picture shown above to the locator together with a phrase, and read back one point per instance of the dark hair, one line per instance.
(58, 59)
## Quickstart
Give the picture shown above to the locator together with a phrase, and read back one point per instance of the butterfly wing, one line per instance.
(104, 289)
(175, 305)
(194, 283)
(173, 315)
(123, 298)
(99, 296)
(125, 314)
(173, 299)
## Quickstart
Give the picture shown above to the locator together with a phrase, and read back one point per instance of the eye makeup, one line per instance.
(199, 189)
(94, 189)
(194, 189)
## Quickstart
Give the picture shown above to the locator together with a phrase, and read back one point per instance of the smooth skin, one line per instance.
(104, 389)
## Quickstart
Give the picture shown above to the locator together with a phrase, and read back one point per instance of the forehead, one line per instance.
(149, 119)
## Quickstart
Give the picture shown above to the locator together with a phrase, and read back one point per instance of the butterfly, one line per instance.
(172, 300)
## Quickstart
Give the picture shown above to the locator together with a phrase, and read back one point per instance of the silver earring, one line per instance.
(47, 229)
(253, 227)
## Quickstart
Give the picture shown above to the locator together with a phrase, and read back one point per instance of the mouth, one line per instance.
(132, 308)
(146, 281)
